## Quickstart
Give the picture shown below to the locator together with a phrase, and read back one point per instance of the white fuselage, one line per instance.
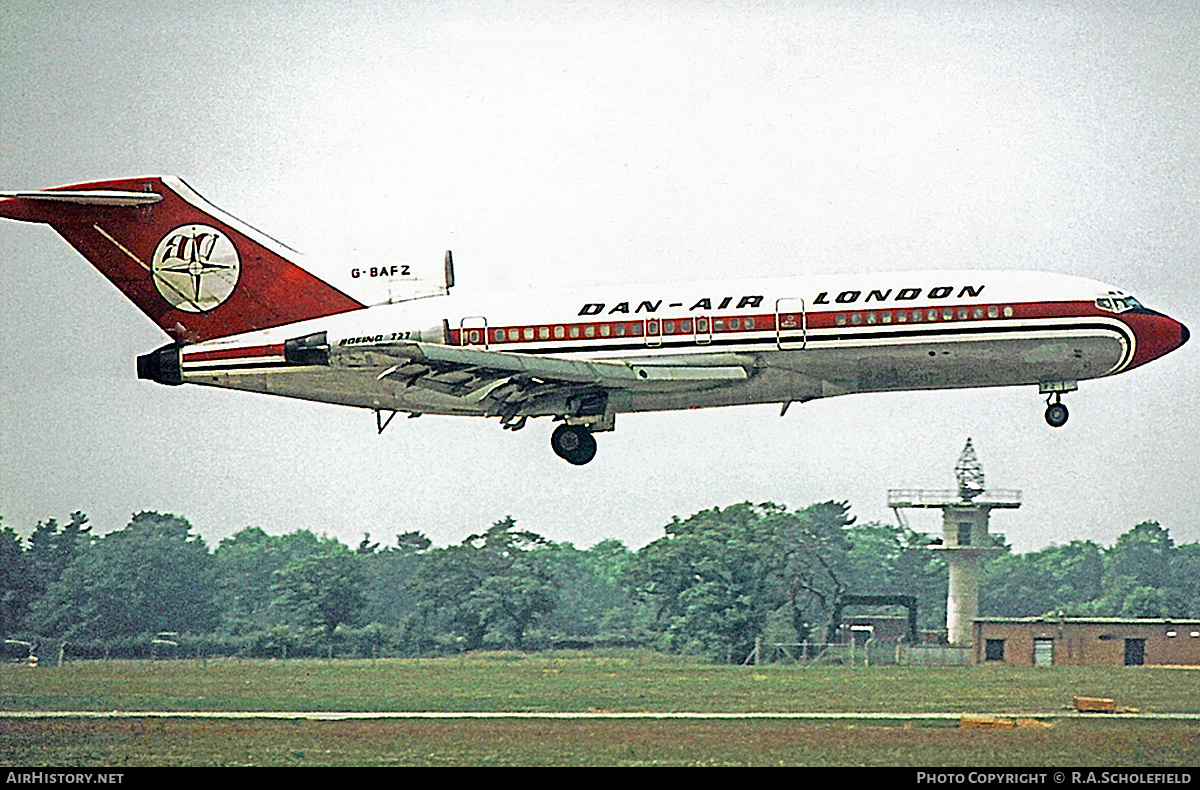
(800, 338)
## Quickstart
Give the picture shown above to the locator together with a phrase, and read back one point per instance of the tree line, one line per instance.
(711, 585)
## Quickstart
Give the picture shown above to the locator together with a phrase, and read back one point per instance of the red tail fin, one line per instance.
(196, 271)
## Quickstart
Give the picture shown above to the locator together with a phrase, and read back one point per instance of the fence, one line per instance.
(873, 652)
(935, 655)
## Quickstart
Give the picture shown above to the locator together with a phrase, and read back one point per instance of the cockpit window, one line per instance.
(1117, 304)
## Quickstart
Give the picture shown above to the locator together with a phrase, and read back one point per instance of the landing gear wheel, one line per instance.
(1056, 415)
(574, 444)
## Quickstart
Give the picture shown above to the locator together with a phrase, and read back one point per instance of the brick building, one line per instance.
(1103, 641)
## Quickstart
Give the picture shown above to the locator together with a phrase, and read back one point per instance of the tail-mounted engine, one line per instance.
(308, 350)
(162, 365)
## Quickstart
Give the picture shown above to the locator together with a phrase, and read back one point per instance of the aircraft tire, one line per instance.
(1056, 415)
(574, 444)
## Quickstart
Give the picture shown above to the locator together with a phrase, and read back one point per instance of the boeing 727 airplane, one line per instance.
(246, 312)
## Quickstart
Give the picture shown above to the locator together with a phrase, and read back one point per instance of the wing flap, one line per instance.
(450, 368)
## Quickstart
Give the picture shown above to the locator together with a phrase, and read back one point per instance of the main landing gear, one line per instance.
(574, 444)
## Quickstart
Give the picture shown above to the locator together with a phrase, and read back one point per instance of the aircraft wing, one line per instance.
(506, 383)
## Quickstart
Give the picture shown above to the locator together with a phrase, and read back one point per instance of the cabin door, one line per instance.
(791, 323)
(473, 331)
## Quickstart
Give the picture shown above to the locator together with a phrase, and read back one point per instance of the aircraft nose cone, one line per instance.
(1157, 334)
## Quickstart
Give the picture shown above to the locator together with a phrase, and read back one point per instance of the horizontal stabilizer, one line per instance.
(89, 197)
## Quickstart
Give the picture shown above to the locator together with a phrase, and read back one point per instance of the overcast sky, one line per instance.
(553, 144)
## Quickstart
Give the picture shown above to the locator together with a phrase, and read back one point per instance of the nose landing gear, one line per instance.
(574, 444)
(1056, 413)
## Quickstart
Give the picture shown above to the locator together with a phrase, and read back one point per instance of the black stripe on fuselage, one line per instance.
(201, 368)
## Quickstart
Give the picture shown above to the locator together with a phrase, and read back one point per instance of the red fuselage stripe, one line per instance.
(245, 352)
(680, 326)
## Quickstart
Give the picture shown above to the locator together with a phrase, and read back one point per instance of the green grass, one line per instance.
(585, 682)
(639, 682)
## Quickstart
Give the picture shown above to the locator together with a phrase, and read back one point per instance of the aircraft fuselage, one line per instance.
(799, 338)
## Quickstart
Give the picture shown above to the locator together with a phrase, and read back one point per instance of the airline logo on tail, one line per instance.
(195, 268)
(213, 275)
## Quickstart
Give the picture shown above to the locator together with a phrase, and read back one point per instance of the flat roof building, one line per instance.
(1092, 641)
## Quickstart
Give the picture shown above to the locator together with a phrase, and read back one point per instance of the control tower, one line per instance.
(965, 537)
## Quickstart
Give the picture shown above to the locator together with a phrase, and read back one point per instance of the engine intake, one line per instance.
(308, 350)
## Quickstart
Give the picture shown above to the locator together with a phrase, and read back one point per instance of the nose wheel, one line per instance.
(1056, 412)
(574, 444)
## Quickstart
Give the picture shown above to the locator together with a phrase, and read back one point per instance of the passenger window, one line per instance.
(749, 323)
(635, 329)
(901, 316)
(931, 315)
(1008, 312)
(543, 332)
(668, 327)
(977, 312)
(559, 333)
(840, 319)
(620, 330)
(856, 318)
(589, 331)
(885, 317)
(734, 324)
(870, 318)
(993, 311)
(528, 333)
(605, 330)
(685, 326)
(962, 313)
(574, 331)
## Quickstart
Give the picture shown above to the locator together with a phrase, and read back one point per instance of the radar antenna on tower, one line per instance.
(969, 472)
(965, 540)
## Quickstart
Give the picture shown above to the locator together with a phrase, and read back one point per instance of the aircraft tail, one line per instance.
(198, 272)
